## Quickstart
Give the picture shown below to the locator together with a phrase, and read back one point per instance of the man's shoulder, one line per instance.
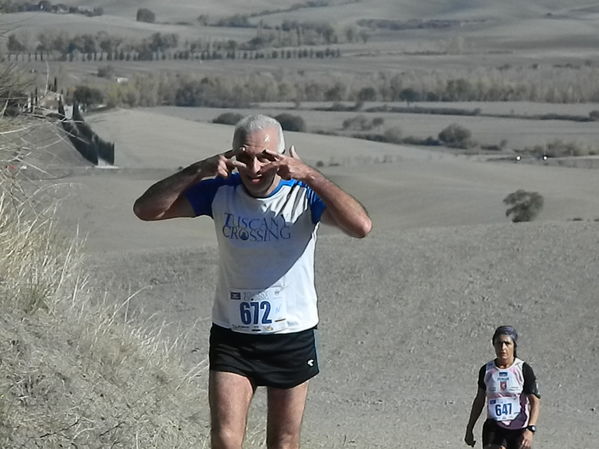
(211, 185)
(232, 180)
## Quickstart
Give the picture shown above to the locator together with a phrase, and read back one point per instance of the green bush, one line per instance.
(88, 95)
(145, 15)
(228, 118)
(393, 134)
(524, 206)
(106, 71)
(290, 122)
(359, 122)
(456, 136)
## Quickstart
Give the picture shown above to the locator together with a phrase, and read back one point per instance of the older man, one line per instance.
(266, 206)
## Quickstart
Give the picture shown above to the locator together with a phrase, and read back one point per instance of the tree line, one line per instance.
(9, 6)
(77, 56)
(59, 45)
(243, 89)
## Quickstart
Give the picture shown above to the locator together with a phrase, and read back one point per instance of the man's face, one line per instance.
(257, 182)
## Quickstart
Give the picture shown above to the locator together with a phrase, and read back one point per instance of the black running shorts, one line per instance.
(500, 436)
(272, 360)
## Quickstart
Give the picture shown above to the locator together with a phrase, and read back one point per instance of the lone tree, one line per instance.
(456, 136)
(524, 206)
(145, 15)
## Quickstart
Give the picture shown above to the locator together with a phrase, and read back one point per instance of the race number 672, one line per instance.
(255, 312)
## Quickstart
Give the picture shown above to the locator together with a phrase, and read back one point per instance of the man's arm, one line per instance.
(477, 407)
(165, 199)
(342, 209)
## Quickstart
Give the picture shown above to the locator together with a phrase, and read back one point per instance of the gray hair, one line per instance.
(508, 331)
(252, 123)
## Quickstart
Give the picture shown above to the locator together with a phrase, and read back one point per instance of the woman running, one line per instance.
(509, 387)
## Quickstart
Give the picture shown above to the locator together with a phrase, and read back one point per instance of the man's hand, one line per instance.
(469, 438)
(287, 167)
(221, 165)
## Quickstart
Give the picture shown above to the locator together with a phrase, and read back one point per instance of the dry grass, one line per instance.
(76, 371)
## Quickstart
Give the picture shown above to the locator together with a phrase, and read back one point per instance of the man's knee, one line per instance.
(282, 441)
(223, 438)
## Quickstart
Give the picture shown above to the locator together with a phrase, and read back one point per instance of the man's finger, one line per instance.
(271, 155)
(234, 152)
(222, 172)
(274, 165)
(293, 153)
(235, 164)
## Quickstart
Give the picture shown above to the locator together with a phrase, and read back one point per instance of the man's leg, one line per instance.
(230, 396)
(285, 413)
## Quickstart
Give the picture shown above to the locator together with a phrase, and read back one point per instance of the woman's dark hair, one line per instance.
(510, 332)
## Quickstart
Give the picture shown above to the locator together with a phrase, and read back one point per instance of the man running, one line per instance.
(266, 207)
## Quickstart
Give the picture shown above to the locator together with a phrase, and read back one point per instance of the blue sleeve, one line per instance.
(200, 195)
(317, 206)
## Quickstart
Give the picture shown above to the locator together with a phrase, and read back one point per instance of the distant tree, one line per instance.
(163, 42)
(351, 33)
(458, 90)
(409, 95)
(86, 95)
(377, 122)
(329, 34)
(393, 134)
(106, 71)
(145, 15)
(524, 206)
(14, 45)
(237, 20)
(359, 122)
(336, 93)
(290, 122)
(456, 136)
(367, 94)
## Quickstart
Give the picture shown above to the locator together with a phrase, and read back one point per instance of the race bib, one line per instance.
(257, 311)
(504, 409)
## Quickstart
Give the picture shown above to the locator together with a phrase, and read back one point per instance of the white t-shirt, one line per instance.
(266, 247)
(507, 391)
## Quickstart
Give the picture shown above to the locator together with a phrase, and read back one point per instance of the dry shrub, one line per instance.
(76, 370)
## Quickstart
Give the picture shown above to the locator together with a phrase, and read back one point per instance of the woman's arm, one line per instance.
(477, 407)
